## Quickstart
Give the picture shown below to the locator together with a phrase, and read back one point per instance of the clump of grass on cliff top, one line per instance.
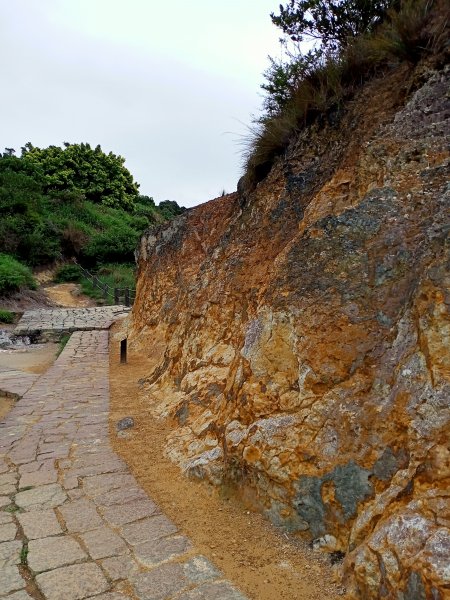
(322, 80)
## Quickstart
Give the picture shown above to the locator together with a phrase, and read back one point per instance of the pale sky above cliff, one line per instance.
(168, 85)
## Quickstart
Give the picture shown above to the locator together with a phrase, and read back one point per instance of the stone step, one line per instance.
(51, 323)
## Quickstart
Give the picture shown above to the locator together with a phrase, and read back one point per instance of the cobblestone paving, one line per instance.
(15, 383)
(68, 319)
(74, 523)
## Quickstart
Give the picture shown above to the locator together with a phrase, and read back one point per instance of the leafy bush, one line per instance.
(6, 316)
(14, 275)
(24, 232)
(170, 209)
(116, 244)
(68, 273)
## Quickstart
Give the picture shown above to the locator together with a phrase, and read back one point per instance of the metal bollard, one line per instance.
(116, 296)
(123, 351)
(127, 297)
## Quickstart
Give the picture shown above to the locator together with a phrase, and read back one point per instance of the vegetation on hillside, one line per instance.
(14, 275)
(7, 316)
(101, 178)
(72, 202)
(111, 275)
(353, 40)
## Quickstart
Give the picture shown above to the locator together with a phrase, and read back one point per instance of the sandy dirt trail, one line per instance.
(68, 295)
(264, 562)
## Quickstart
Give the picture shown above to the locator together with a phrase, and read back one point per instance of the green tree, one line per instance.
(170, 208)
(332, 23)
(102, 178)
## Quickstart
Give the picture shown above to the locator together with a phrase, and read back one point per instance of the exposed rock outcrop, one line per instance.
(301, 338)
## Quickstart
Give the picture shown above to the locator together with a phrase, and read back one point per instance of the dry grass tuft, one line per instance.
(418, 27)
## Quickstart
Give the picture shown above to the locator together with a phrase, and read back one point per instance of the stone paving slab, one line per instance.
(72, 583)
(22, 595)
(39, 525)
(61, 320)
(74, 522)
(52, 552)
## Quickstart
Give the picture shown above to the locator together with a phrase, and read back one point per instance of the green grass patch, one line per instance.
(14, 275)
(13, 508)
(63, 342)
(114, 276)
(24, 554)
(6, 316)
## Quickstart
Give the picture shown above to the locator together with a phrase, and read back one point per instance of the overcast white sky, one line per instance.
(168, 85)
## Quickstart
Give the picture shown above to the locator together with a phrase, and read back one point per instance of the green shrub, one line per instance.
(333, 22)
(14, 275)
(116, 244)
(68, 273)
(6, 316)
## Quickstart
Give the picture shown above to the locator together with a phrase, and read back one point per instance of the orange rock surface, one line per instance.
(300, 337)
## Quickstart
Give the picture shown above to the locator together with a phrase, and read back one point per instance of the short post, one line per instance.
(116, 295)
(127, 297)
(123, 351)
(105, 292)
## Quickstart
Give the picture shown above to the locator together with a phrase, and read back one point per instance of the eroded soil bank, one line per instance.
(266, 563)
(35, 358)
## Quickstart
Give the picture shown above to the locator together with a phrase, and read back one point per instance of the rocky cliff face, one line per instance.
(300, 337)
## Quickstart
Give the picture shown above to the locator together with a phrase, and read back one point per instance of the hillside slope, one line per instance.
(300, 337)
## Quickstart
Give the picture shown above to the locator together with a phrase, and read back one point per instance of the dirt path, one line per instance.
(65, 295)
(68, 295)
(266, 564)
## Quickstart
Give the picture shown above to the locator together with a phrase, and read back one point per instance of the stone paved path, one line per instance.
(58, 320)
(74, 523)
